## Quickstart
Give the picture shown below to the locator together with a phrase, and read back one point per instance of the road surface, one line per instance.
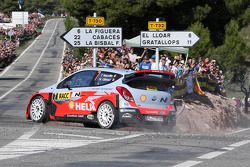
(24, 143)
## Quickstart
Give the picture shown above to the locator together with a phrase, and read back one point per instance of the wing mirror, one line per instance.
(68, 86)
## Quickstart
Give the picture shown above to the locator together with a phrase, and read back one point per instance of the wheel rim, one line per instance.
(37, 109)
(105, 115)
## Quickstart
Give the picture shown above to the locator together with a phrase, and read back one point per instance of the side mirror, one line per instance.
(67, 86)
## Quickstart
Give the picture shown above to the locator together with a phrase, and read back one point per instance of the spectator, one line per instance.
(163, 64)
(153, 63)
(145, 64)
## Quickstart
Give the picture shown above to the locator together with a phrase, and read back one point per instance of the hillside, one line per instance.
(210, 113)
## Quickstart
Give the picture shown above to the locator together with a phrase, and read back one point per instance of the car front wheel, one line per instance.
(107, 117)
(38, 110)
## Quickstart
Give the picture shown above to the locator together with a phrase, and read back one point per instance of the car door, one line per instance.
(70, 95)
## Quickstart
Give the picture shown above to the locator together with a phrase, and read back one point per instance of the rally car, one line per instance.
(107, 97)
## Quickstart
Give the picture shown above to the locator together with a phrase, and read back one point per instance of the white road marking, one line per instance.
(33, 69)
(238, 131)
(25, 145)
(27, 135)
(187, 164)
(121, 138)
(21, 55)
(211, 155)
(61, 68)
(73, 135)
(228, 148)
(241, 143)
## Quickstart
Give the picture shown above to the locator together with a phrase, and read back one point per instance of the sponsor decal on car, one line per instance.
(164, 100)
(87, 106)
(143, 98)
(66, 96)
(154, 98)
(74, 116)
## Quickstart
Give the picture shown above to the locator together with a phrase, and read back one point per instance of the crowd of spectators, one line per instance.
(125, 58)
(9, 44)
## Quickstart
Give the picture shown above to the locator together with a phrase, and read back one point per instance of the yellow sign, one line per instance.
(62, 96)
(95, 21)
(154, 25)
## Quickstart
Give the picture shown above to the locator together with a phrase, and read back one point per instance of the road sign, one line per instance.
(10, 33)
(95, 21)
(20, 17)
(154, 25)
(94, 37)
(168, 38)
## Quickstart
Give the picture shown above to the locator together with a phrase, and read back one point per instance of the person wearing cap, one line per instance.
(145, 64)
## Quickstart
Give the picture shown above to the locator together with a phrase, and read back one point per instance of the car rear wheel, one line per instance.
(38, 111)
(107, 117)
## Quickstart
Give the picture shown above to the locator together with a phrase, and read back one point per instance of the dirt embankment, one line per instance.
(209, 113)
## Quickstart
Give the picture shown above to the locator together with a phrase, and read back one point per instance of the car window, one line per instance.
(152, 83)
(104, 78)
(80, 79)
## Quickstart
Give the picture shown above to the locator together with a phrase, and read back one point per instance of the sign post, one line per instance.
(94, 50)
(157, 53)
(154, 26)
(10, 33)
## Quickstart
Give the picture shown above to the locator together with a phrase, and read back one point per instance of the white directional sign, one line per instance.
(94, 37)
(168, 38)
(20, 18)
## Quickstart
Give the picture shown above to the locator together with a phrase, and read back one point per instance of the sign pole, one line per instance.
(157, 53)
(94, 50)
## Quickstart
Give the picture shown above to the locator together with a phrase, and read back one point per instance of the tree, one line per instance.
(7, 6)
(200, 49)
(233, 52)
(79, 9)
(241, 76)
(43, 6)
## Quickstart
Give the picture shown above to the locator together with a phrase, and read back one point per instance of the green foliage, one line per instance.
(200, 49)
(70, 22)
(236, 6)
(45, 6)
(245, 17)
(231, 55)
(201, 12)
(7, 6)
(79, 9)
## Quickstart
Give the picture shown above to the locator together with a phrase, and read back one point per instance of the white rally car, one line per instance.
(108, 97)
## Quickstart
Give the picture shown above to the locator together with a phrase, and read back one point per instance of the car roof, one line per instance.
(114, 70)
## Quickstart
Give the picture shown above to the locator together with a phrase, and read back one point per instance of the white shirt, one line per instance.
(132, 57)
(153, 66)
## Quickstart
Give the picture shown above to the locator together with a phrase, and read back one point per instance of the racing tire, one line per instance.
(107, 116)
(38, 110)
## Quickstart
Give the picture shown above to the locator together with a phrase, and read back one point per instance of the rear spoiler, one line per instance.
(167, 73)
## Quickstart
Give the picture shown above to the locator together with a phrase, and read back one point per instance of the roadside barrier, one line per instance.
(180, 88)
(201, 83)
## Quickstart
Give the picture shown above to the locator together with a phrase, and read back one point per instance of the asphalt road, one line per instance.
(24, 143)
